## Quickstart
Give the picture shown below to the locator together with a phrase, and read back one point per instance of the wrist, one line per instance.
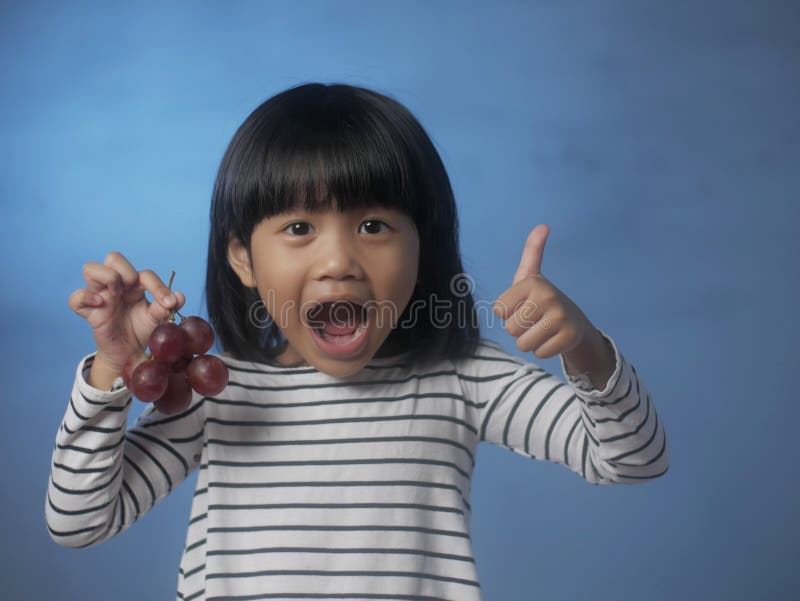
(593, 357)
(103, 373)
(591, 342)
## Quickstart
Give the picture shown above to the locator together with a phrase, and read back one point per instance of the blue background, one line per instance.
(659, 140)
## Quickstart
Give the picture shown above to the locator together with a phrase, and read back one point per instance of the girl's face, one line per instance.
(369, 256)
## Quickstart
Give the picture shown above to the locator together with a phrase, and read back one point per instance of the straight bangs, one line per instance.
(327, 149)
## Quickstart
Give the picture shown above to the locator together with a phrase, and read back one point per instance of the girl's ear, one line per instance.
(240, 262)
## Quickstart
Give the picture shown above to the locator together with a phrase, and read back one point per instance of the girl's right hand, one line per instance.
(115, 306)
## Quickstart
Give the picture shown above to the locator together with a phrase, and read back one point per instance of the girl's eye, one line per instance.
(373, 224)
(299, 228)
(303, 228)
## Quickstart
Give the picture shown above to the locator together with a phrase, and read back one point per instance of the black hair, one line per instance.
(335, 147)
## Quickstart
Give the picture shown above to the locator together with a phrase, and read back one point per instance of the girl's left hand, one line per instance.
(541, 317)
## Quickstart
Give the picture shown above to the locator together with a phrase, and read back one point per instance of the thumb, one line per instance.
(159, 313)
(531, 261)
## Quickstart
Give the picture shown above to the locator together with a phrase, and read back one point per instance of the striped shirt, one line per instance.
(317, 487)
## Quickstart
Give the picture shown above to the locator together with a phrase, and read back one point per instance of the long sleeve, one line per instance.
(104, 478)
(606, 436)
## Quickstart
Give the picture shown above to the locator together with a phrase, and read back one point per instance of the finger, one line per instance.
(99, 277)
(129, 276)
(82, 301)
(161, 294)
(532, 254)
(179, 305)
(159, 314)
(534, 289)
(134, 293)
(526, 316)
(509, 301)
(553, 345)
(538, 337)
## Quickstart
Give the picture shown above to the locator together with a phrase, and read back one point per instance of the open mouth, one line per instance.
(338, 322)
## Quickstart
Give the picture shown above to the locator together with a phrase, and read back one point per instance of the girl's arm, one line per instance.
(102, 477)
(606, 436)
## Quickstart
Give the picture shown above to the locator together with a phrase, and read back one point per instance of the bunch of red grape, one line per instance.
(177, 365)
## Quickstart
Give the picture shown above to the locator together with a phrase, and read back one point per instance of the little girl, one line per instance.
(337, 462)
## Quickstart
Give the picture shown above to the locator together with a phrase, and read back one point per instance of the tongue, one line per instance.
(341, 322)
(333, 330)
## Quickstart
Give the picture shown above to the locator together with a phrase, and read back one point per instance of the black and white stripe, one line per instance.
(311, 486)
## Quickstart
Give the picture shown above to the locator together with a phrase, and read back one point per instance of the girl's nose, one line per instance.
(338, 258)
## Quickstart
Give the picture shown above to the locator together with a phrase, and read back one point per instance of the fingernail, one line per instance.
(169, 299)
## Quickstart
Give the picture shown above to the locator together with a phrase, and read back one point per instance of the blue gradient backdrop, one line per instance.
(659, 140)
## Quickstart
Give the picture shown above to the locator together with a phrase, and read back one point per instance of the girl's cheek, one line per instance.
(285, 304)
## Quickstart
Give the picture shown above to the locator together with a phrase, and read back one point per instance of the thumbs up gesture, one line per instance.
(541, 317)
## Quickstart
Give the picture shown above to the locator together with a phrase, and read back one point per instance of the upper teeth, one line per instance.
(335, 306)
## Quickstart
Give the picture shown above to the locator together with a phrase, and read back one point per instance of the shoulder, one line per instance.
(488, 351)
(243, 366)
(477, 374)
(489, 359)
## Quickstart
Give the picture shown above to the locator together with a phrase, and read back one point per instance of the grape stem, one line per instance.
(171, 318)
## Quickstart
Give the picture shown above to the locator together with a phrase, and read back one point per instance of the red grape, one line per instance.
(181, 364)
(168, 342)
(177, 396)
(199, 335)
(208, 375)
(149, 380)
(129, 366)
